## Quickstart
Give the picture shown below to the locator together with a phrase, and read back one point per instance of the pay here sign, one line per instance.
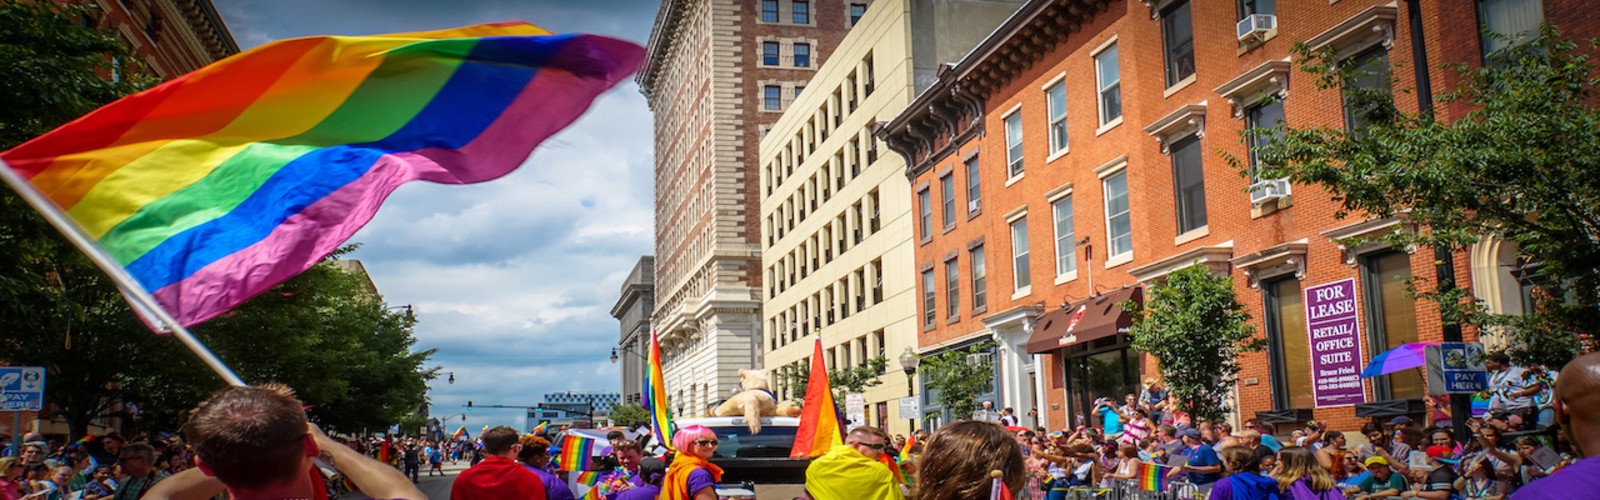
(1334, 327)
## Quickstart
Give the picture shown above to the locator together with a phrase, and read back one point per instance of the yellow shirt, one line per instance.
(845, 474)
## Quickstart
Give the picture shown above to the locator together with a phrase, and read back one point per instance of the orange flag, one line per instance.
(819, 420)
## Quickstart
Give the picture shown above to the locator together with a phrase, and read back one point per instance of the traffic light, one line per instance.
(469, 404)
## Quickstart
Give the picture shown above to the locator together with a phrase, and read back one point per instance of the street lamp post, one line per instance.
(909, 361)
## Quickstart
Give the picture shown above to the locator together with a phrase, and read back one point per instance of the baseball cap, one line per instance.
(1441, 454)
(1191, 433)
(1400, 420)
(1376, 461)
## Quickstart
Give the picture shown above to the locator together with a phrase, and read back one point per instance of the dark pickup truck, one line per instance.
(759, 460)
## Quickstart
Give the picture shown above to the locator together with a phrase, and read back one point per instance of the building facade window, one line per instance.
(802, 55)
(1119, 222)
(924, 214)
(928, 310)
(1288, 345)
(1371, 85)
(1056, 97)
(769, 53)
(1391, 319)
(1066, 246)
(1014, 144)
(952, 289)
(802, 11)
(1266, 122)
(980, 278)
(1177, 42)
(974, 186)
(769, 11)
(947, 199)
(1189, 184)
(1511, 22)
(1253, 7)
(1021, 279)
(856, 11)
(772, 98)
(798, 89)
(1109, 80)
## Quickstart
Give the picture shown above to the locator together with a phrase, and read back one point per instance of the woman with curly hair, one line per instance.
(959, 457)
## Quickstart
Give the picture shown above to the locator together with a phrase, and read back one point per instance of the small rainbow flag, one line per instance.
(539, 429)
(1151, 477)
(819, 428)
(86, 439)
(461, 433)
(655, 395)
(217, 185)
(575, 452)
(899, 475)
(905, 451)
(592, 480)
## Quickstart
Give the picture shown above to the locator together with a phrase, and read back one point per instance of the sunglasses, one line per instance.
(875, 446)
(706, 442)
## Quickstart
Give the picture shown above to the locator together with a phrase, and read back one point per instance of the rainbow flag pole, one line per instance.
(209, 189)
(655, 395)
(142, 303)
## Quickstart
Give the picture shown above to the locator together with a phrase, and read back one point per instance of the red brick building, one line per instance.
(1084, 147)
(170, 37)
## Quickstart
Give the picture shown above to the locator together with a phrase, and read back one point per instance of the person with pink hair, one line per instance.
(692, 476)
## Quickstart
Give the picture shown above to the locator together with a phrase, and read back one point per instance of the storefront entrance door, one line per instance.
(1112, 371)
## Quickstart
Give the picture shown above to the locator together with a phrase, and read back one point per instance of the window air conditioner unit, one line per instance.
(977, 359)
(972, 205)
(1268, 190)
(1255, 26)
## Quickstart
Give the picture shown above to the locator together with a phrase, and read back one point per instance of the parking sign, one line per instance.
(21, 388)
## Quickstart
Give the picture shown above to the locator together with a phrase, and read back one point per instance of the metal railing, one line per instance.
(1129, 490)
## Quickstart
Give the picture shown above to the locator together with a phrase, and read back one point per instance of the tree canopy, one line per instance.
(1521, 163)
(1195, 327)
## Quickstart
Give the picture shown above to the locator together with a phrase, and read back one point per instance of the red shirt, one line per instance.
(497, 478)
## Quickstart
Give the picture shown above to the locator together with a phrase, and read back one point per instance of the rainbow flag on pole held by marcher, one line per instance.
(655, 395)
(1151, 477)
(575, 452)
(209, 189)
(819, 428)
(461, 433)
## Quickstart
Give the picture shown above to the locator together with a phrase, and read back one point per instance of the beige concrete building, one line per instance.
(836, 226)
(718, 72)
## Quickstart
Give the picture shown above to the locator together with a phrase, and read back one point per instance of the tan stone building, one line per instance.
(837, 251)
(718, 72)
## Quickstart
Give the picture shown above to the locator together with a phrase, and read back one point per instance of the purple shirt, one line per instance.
(554, 487)
(700, 479)
(647, 492)
(1579, 480)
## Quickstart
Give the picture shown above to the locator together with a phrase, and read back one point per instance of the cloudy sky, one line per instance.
(512, 280)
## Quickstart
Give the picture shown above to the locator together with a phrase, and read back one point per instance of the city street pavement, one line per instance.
(436, 487)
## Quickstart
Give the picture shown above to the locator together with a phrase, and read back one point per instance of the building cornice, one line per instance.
(950, 111)
(668, 19)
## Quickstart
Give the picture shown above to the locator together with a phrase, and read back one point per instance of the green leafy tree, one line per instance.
(629, 414)
(957, 380)
(1195, 327)
(843, 381)
(1520, 163)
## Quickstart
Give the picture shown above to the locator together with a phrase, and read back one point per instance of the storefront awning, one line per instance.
(1084, 320)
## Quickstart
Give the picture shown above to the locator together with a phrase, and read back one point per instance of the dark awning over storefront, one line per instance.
(1084, 320)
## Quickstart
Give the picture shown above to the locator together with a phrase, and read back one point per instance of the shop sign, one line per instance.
(1334, 327)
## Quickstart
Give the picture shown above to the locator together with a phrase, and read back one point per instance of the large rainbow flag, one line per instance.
(217, 185)
(1151, 477)
(575, 452)
(655, 395)
(819, 421)
(461, 433)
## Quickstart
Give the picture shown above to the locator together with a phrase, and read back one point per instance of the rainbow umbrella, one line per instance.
(1405, 357)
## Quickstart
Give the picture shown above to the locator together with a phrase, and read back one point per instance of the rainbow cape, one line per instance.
(575, 452)
(655, 395)
(1151, 477)
(461, 433)
(819, 428)
(214, 186)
